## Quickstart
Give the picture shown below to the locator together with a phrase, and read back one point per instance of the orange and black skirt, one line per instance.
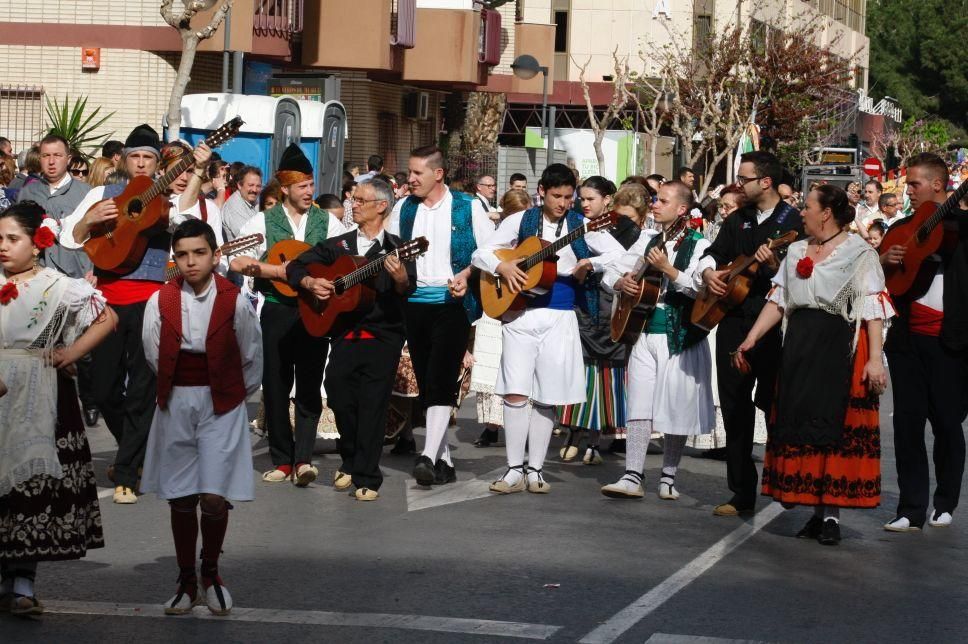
(824, 446)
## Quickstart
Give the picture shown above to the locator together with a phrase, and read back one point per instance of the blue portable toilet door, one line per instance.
(287, 129)
(331, 149)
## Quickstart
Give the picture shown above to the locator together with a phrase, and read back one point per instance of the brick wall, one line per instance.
(142, 13)
(134, 84)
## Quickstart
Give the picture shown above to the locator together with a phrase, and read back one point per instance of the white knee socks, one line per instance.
(539, 435)
(672, 447)
(516, 421)
(637, 444)
(436, 447)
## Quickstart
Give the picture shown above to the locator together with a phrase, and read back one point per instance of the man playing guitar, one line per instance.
(122, 382)
(925, 353)
(746, 232)
(365, 350)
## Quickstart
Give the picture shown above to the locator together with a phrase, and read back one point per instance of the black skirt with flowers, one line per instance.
(48, 519)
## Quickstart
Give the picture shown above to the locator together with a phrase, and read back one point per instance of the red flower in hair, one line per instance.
(8, 292)
(805, 267)
(44, 238)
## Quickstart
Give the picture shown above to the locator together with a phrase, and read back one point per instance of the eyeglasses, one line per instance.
(488, 185)
(360, 201)
(742, 181)
(79, 172)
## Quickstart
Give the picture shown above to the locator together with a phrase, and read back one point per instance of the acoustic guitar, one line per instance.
(350, 294)
(119, 245)
(227, 249)
(709, 310)
(280, 253)
(922, 237)
(537, 258)
(632, 312)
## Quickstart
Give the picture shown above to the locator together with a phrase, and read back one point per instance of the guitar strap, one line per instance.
(203, 208)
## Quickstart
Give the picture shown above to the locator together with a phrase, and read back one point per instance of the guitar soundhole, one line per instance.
(339, 288)
(135, 207)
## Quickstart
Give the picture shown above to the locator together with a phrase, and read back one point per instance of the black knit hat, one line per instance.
(144, 139)
(294, 160)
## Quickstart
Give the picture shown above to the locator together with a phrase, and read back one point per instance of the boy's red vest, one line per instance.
(220, 367)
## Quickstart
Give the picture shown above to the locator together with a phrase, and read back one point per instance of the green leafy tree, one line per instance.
(918, 56)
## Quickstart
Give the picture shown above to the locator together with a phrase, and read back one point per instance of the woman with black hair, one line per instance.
(824, 445)
(48, 494)
(603, 411)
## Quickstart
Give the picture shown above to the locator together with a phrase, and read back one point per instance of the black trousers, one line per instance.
(85, 389)
(359, 382)
(738, 404)
(291, 354)
(437, 337)
(930, 384)
(125, 390)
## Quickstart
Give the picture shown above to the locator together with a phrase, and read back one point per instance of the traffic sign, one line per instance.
(873, 167)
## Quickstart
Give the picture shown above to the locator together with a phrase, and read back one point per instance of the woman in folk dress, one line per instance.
(824, 444)
(48, 494)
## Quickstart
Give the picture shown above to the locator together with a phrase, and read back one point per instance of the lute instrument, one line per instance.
(350, 295)
(632, 312)
(227, 249)
(281, 252)
(120, 244)
(537, 258)
(921, 235)
(709, 310)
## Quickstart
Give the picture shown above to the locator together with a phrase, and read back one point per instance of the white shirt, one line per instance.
(688, 281)
(604, 247)
(257, 225)
(433, 222)
(196, 313)
(54, 187)
(763, 215)
(364, 244)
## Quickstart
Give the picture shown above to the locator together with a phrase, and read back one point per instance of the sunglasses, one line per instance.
(79, 172)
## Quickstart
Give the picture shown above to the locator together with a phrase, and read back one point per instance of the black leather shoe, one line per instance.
(812, 529)
(830, 533)
(617, 446)
(444, 473)
(423, 471)
(487, 438)
(404, 446)
(91, 416)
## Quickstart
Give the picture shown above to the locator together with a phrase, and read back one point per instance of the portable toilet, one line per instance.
(323, 141)
(271, 124)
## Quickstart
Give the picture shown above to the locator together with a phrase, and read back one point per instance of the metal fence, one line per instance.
(468, 167)
(21, 114)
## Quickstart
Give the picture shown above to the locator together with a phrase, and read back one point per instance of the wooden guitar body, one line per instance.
(119, 245)
(280, 253)
(320, 316)
(633, 312)
(497, 299)
(709, 310)
(902, 278)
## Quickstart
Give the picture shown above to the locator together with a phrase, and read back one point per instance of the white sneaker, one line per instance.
(940, 519)
(901, 524)
(627, 487)
(668, 491)
(218, 599)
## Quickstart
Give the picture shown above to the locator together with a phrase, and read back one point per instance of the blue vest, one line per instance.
(152, 266)
(585, 294)
(462, 242)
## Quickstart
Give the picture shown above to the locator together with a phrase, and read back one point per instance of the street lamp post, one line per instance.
(527, 67)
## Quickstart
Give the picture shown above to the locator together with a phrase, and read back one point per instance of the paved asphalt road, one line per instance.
(458, 565)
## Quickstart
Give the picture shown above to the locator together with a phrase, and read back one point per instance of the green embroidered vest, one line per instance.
(278, 229)
(674, 318)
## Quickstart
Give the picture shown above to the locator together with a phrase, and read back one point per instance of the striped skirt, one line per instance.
(604, 409)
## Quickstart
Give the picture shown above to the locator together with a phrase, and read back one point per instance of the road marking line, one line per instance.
(650, 601)
(318, 618)
(476, 488)
(667, 638)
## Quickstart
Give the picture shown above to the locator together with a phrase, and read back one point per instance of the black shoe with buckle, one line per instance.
(812, 529)
(91, 416)
(404, 446)
(423, 471)
(444, 473)
(830, 533)
(487, 438)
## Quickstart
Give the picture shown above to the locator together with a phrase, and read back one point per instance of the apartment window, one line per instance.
(840, 11)
(21, 114)
(859, 77)
(561, 32)
(702, 27)
(386, 136)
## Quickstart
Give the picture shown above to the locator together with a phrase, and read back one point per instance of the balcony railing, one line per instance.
(279, 18)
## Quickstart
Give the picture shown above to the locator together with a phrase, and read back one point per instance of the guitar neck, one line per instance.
(943, 210)
(365, 272)
(161, 183)
(552, 249)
